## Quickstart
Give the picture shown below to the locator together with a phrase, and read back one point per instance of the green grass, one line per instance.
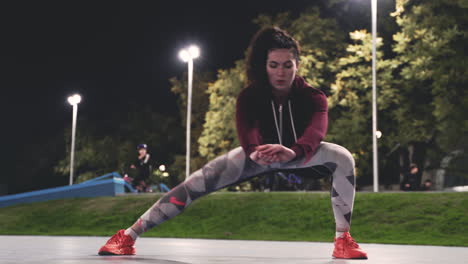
(400, 218)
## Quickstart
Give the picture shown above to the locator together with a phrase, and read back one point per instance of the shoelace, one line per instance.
(351, 242)
(116, 238)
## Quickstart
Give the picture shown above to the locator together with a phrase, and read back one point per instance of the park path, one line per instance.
(71, 250)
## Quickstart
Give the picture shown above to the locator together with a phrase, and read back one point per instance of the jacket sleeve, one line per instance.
(316, 128)
(247, 129)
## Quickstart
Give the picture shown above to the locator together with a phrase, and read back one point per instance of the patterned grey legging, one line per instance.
(235, 167)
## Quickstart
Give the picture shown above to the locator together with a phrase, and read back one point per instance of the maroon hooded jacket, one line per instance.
(256, 122)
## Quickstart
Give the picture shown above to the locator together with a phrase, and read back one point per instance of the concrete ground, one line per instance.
(71, 250)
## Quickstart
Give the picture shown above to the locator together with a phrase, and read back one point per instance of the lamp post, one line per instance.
(74, 100)
(187, 55)
(374, 96)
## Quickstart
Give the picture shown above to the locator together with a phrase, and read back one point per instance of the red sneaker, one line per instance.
(347, 248)
(118, 244)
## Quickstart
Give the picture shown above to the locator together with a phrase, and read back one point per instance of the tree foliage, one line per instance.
(219, 131)
(434, 70)
(351, 100)
(430, 48)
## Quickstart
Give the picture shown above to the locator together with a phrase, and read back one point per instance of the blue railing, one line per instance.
(110, 184)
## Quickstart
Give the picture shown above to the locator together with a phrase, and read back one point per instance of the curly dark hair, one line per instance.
(263, 41)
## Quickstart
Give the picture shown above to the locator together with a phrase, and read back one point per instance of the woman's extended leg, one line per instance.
(225, 170)
(216, 174)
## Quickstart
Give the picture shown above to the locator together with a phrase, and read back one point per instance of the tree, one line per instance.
(219, 131)
(430, 47)
(350, 103)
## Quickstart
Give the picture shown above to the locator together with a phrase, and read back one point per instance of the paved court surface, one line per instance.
(71, 250)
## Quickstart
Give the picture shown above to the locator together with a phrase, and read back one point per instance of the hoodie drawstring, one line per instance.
(279, 129)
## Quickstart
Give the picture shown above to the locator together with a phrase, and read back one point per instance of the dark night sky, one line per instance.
(115, 53)
(112, 52)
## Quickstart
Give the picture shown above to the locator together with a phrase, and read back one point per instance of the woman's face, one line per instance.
(281, 68)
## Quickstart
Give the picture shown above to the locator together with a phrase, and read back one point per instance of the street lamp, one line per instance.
(374, 96)
(187, 55)
(74, 100)
(378, 134)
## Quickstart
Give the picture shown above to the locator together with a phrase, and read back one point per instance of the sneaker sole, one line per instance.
(350, 258)
(107, 253)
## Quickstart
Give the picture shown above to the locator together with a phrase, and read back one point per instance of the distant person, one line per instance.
(281, 121)
(143, 169)
(427, 185)
(411, 181)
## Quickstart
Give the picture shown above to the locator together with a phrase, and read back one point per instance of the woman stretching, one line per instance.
(281, 121)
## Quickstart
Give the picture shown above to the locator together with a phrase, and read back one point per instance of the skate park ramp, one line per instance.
(71, 250)
(110, 184)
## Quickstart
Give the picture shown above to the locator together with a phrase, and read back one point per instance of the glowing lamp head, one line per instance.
(194, 51)
(378, 134)
(184, 55)
(74, 99)
(191, 53)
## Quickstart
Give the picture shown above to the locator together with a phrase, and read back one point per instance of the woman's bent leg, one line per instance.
(340, 163)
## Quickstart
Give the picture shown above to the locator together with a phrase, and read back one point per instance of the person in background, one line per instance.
(142, 167)
(427, 185)
(411, 180)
